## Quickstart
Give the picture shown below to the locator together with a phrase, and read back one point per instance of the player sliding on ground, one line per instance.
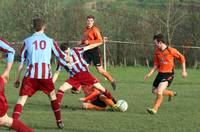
(164, 63)
(4, 119)
(36, 51)
(93, 99)
(79, 74)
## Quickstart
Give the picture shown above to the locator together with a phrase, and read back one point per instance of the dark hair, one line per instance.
(38, 23)
(90, 16)
(64, 46)
(159, 37)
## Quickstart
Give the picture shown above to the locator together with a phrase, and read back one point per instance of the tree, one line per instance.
(170, 16)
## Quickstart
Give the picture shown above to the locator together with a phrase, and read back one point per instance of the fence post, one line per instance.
(104, 52)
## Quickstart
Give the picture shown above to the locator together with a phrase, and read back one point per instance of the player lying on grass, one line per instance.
(94, 100)
(4, 119)
(164, 63)
(79, 73)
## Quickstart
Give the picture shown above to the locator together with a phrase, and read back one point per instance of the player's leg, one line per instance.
(14, 124)
(104, 73)
(47, 87)
(56, 108)
(108, 101)
(169, 93)
(107, 75)
(159, 95)
(90, 106)
(19, 106)
(103, 90)
(66, 86)
(28, 88)
(95, 57)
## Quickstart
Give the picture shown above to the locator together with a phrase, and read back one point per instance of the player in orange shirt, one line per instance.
(91, 35)
(164, 63)
(94, 100)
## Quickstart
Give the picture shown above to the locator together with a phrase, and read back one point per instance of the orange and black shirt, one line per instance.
(92, 35)
(164, 60)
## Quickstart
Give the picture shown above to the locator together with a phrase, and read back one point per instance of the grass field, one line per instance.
(180, 115)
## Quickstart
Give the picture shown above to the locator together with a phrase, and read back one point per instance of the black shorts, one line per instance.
(93, 56)
(162, 77)
(98, 102)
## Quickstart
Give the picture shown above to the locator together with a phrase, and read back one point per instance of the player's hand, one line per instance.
(85, 42)
(82, 99)
(184, 74)
(146, 77)
(5, 78)
(17, 84)
(79, 43)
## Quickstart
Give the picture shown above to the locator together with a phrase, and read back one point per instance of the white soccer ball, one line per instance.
(122, 105)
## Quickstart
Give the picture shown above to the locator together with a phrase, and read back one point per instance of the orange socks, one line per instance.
(107, 100)
(158, 102)
(168, 93)
(94, 107)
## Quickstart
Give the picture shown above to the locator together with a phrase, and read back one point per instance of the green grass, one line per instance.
(180, 115)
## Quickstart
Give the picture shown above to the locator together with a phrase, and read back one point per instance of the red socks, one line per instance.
(56, 108)
(17, 111)
(20, 126)
(59, 96)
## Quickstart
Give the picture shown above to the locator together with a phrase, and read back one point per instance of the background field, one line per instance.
(180, 115)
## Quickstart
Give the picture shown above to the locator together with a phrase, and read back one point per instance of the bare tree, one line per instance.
(170, 16)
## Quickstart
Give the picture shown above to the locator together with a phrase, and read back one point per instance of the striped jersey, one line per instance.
(77, 63)
(36, 52)
(6, 48)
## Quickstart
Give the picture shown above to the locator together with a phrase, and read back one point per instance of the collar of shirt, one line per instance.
(38, 33)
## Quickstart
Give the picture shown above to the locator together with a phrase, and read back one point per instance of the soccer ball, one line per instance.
(122, 105)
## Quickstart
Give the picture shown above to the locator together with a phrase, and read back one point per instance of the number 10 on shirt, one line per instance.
(41, 44)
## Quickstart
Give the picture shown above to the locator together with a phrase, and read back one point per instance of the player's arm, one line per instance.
(10, 52)
(184, 72)
(57, 51)
(150, 72)
(181, 59)
(156, 62)
(20, 66)
(56, 74)
(92, 46)
(17, 80)
(6, 72)
(91, 96)
(61, 56)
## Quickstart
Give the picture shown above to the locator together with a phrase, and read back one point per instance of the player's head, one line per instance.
(38, 24)
(90, 21)
(65, 47)
(158, 39)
